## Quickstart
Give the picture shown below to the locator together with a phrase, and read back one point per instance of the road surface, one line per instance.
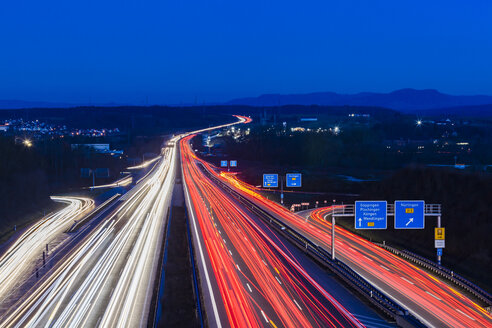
(248, 279)
(431, 300)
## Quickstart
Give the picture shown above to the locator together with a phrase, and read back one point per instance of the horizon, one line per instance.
(226, 102)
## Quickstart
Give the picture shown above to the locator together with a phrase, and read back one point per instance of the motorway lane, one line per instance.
(19, 261)
(250, 280)
(424, 295)
(107, 279)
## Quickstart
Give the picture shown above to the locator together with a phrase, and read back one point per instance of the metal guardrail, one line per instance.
(323, 257)
(443, 272)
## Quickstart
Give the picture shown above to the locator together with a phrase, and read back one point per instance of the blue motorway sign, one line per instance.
(233, 163)
(293, 180)
(371, 215)
(409, 214)
(270, 180)
(223, 163)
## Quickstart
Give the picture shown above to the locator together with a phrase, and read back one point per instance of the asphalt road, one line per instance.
(433, 301)
(249, 279)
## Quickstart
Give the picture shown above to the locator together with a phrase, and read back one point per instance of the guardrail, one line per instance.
(323, 257)
(443, 272)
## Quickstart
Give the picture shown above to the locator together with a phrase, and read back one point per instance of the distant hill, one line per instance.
(404, 100)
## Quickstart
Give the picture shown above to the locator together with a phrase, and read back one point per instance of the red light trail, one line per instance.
(259, 283)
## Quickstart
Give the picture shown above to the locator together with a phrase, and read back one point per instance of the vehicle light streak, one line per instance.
(258, 282)
(107, 279)
(18, 258)
(402, 281)
(120, 253)
(123, 182)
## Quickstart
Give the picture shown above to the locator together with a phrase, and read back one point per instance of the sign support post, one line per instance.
(333, 236)
(282, 190)
(438, 225)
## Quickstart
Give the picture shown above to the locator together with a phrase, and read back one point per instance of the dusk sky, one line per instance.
(180, 51)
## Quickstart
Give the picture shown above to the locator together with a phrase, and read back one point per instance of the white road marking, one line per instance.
(264, 316)
(463, 313)
(298, 305)
(437, 298)
(407, 280)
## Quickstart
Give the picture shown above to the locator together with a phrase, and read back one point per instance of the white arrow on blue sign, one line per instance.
(270, 180)
(409, 214)
(371, 215)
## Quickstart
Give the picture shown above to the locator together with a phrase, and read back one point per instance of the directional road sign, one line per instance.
(371, 215)
(409, 214)
(233, 163)
(270, 180)
(223, 163)
(293, 180)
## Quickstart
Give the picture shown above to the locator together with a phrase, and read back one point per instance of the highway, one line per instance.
(248, 279)
(433, 301)
(18, 262)
(107, 279)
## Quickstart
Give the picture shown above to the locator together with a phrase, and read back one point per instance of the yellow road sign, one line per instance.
(439, 233)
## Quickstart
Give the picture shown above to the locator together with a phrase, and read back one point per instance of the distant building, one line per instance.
(99, 148)
(4, 128)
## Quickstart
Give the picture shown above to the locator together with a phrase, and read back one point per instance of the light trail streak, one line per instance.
(16, 262)
(107, 279)
(123, 182)
(281, 287)
(144, 164)
(405, 283)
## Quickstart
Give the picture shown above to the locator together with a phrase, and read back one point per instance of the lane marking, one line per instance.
(250, 290)
(465, 314)
(382, 266)
(298, 305)
(437, 298)
(407, 280)
(264, 316)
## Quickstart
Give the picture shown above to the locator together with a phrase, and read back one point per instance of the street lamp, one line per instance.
(27, 143)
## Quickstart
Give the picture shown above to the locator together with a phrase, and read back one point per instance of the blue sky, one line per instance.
(172, 52)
